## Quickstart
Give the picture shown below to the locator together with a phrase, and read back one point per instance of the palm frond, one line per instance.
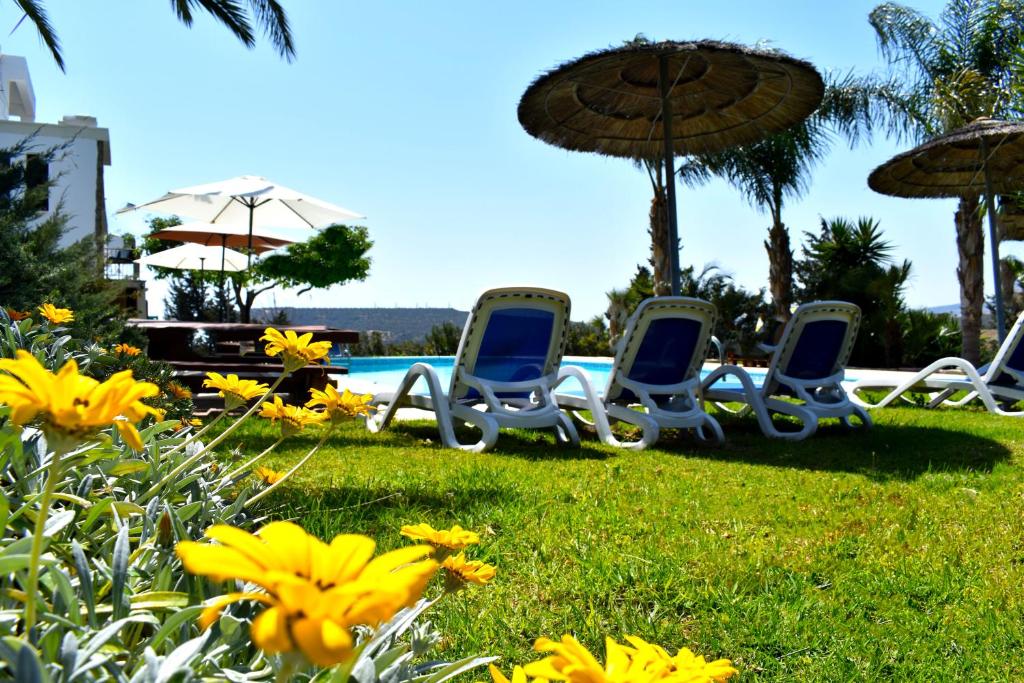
(271, 18)
(855, 106)
(36, 13)
(964, 22)
(230, 13)
(906, 38)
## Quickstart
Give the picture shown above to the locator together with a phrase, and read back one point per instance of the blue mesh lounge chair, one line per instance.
(657, 368)
(505, 368)
(807, 367)
(999, 384)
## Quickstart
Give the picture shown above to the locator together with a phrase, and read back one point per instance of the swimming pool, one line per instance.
(386, 372)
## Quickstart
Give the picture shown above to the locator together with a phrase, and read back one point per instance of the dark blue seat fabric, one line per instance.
(665, 354)
(514, 348)
(1014, 362)
(817, 350)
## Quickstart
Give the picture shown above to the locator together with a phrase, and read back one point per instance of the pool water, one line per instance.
(388, 371)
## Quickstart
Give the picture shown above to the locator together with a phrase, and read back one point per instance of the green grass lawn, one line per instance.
(892, 554)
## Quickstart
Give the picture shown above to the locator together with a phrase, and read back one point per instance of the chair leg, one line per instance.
(718, 437)
(565, 431)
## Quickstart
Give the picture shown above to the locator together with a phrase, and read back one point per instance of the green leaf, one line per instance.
(94, 513)
(14, 562)
(119, 573)
(124, 508)
(454, 669)
(84, 580)
(127, 467)
(56, 523)
(173, 624)
(28, 668)
(62, 583)
(159, 600)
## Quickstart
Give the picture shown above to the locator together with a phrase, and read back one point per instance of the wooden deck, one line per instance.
(237, 349)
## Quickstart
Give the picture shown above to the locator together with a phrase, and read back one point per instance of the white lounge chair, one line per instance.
(998, 385)
(505, 368)
(657, 368)
(807, 364)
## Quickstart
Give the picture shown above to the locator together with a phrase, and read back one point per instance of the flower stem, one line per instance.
(289, 473)
(53, 472)
(198, 434)
(188, 462)
(241, 468)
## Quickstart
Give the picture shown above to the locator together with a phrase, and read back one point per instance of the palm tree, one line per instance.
(778, 168)
(268, 14)
(853, 262)
(953, 71)
(658, 230)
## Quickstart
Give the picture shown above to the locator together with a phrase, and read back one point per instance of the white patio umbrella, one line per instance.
(249, 200)
(195, 257)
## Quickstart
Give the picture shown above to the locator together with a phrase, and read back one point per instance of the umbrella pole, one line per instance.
(670, 172)
(993, 233)
(223, 251)
(252, 210)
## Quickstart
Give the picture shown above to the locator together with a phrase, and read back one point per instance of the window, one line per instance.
(37, 174)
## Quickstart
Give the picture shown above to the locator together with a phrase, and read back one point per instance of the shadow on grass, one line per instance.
(527, 444)
(885, 451)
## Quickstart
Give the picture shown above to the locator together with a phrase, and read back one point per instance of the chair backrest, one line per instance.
(1007, 368)
(512, 334)
(665, 342)
(816, 342)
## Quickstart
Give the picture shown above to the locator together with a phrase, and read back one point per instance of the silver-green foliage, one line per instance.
(115, 602)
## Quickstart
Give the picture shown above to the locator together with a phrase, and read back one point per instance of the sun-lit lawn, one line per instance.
(890, 554)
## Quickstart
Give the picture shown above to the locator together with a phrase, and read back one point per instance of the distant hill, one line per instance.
(400, 324)
(951, 308)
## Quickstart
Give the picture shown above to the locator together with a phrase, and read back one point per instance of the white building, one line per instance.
(82, 152)
(77, 169)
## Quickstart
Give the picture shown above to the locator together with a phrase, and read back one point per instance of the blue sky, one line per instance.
(406, 112)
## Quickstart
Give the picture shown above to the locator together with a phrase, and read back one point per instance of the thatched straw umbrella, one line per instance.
(649, 101)
(985, 157)
(1011, 218)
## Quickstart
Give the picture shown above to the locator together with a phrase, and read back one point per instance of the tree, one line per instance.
(953, 71)
(738, 309)
(443, 339)
(35, 267)
(269, 16)
(778, 168)
(852, 262)
(334, 256)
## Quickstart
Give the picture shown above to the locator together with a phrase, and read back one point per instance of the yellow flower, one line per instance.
(518, 675)
(314, 592)
(462, 571)
(195, 422)
(455, 538)
(71, 406)
(127, 350)
(340, 406)
(642, 663)
(293, 418)
(17, 315)
(178, 391)
(296, 352)
(268, 475)
(572, 662)
(234, 391)
(56, 315)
